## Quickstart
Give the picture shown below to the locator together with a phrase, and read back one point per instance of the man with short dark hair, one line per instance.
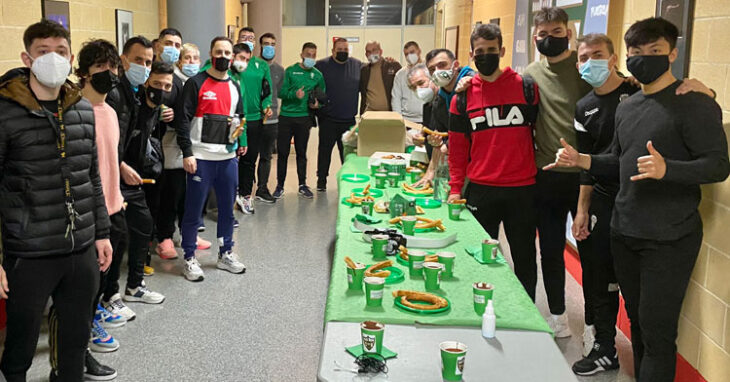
(342, 76)
(256, 79)
(490, 142)
(55, 225)
(211, 119)
(376, 79)
(666, 145)
(300, 93)
(403, 100)
(271, 124)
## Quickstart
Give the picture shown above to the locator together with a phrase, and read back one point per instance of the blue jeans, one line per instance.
(223, 177)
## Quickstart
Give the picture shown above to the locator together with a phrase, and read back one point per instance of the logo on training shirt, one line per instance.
(493, 119)
(591, 112)
(623, 96)
(311, 75)
(210, 96)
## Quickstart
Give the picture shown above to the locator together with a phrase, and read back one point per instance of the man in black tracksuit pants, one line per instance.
(665, 146)
(54, 218)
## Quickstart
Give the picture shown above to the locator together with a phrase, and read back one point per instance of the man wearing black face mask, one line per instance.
(665, 145)
(341, 75)
(557, 192)
(490, 142)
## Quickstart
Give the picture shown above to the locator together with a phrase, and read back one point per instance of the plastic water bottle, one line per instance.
(489, 321)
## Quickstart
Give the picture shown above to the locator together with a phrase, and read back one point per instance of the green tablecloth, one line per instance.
(513, 306)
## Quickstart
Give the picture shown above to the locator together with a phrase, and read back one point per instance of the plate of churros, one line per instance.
(420, 302)
(423, 225)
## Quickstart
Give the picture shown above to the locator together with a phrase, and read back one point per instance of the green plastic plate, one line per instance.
(374, 192)
(355, 178)
(428, 203)
(396, 275)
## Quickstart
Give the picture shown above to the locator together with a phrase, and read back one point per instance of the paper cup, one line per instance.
(409, 225)
(432, 275)
(489, 250)
(415, 262)
(367, 207)
(393, 179)
(483, 292)
(416, 175)
(381, 180)
(447, 259)
(355, 276)
(374, 167)
(453, 354)
(455, 211)
(380, 242)
(372, 336)
(374, 291)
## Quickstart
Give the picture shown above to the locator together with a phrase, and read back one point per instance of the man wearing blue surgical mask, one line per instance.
(126, 100)
(247, 36)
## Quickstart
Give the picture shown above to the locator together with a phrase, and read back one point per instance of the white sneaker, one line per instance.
(229, 262)
(116, 306)
(559, 325)
(245, 203)
(142, 294)
(589, 338)
(192, 270)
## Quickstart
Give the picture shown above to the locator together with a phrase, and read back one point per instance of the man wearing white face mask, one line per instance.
(376, 79)
(404, 101)
(54, 219)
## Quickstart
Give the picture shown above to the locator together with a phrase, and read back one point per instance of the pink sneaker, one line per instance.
(166, 250)
(203, 244)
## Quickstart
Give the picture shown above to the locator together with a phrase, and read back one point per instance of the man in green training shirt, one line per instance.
(256, 79)
(301, 93)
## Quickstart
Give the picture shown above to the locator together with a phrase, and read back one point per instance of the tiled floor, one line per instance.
(264, 325)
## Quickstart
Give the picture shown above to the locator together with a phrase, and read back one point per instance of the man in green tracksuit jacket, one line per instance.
(301, 91)
(256, 79)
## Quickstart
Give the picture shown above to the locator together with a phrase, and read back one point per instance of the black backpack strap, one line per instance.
(528, 88)
(461, 108)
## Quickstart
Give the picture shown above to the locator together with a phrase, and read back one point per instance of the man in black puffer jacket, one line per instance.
(54, 219)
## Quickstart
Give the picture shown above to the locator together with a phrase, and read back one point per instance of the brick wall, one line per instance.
(704, 327)
(456, 12)
(89, 19)
(485, 10)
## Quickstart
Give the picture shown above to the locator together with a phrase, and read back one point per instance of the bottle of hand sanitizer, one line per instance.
(489, 321)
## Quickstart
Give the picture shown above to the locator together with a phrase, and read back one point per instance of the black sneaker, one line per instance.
(598, 360)
(305, 192)
(265, 196)
(95, 371)
(321, 185)
(279, 192)
(201, 228)
(235, 223)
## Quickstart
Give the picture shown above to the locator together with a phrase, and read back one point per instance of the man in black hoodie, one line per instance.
(55, 227)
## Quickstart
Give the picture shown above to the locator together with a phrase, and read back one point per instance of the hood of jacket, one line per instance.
(15, 87)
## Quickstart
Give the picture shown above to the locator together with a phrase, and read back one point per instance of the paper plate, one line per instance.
(428, 203)
(357, 351)
(396, 275)
(355, 178)
(418, 311)
(374, 192)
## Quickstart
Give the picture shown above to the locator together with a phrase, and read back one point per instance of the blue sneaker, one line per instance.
(108, 319)
(101, 341)
(279, 192)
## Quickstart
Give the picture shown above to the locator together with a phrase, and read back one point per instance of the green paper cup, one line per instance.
(455, 211)
(415, 262)
(372, 337)
(393, 179)
(447, 260)
(489, 250)
(409, 225)
(374, 167)
(381, 180)
(483, 292)
(367, 207)
(453, 354)
(432, 274)
(379, 244)
(416, 175)
(355, 276)
(374, 291)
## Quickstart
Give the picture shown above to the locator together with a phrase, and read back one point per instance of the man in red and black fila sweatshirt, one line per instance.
(211, 112)
(490, 142)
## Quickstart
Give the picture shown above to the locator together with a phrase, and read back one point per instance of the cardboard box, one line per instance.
(381, 131)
